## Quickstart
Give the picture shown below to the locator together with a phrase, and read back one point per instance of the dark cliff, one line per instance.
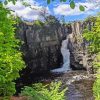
(42, 44)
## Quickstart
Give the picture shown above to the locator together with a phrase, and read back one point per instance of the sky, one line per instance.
(56, 8)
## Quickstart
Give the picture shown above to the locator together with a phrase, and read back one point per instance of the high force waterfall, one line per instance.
(66, 58)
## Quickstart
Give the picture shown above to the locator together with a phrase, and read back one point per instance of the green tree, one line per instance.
(11, 61)
(93, 37)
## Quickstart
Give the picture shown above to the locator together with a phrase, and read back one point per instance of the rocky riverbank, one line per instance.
(79, 83)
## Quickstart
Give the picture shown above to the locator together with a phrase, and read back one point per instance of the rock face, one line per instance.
(42, 45)
(79, 85)
(78, 46)
(75, 45)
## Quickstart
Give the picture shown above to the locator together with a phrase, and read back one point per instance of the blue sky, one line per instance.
(56, 8)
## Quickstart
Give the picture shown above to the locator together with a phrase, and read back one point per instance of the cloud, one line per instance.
(93, 1)
(26, 12)
(58, 9)
(64, 9)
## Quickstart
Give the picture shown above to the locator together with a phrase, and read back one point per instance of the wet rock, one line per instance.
(79, 85)
(41, 47)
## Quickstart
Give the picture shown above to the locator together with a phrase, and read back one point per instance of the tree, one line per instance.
(93, 37)
(11, 61)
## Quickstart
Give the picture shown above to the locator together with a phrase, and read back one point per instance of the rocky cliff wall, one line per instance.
(42, 44)
(80, 58)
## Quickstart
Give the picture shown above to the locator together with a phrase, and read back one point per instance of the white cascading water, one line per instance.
(66, 58)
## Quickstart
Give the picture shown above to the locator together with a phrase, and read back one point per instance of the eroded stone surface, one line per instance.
(42, 45)
(79, 85)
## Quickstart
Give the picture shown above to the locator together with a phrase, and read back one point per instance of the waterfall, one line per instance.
(66, 58)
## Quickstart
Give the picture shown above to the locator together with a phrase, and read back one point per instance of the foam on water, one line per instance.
(66, 58)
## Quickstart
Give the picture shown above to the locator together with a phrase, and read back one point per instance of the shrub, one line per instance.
(93, 37)
(10, 57)
(96, 88)
(48, 92)
(96, 62)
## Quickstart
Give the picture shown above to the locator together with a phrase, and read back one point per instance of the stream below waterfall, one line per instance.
(79, 84)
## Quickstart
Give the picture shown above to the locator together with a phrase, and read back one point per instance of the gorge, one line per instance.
(45, 57)
(52, 49)
(42, 45)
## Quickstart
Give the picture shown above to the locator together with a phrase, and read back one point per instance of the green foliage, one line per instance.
(38, 23)
(93, 37)
(96, 62)
(13, 1)
(81, 8)
(91, 19)
(44, 92)
(63, 0)
(72, 4)
(96, 88)
(48, 1)
(10, 57)
(26, 4)
(52, 20)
